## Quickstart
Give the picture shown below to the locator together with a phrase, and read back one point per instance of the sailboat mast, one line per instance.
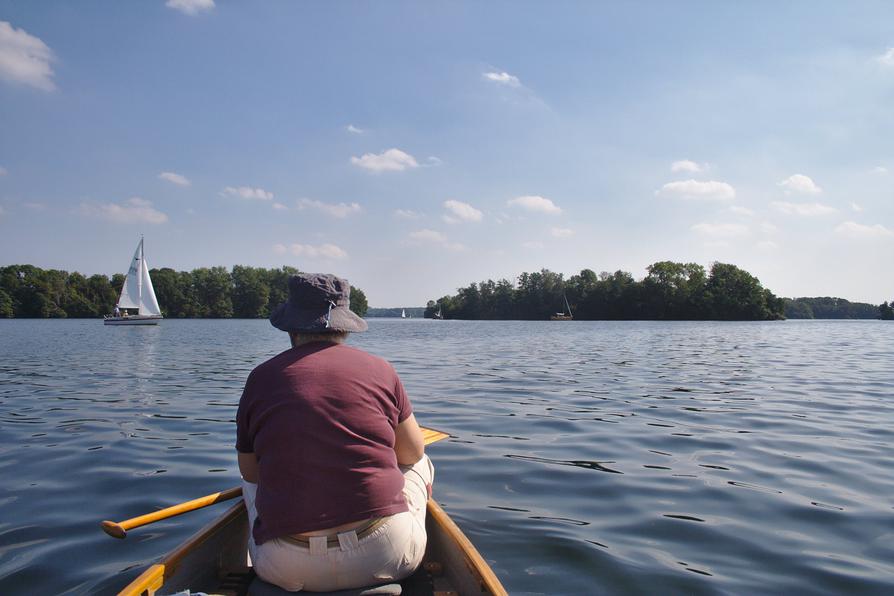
(140, 279)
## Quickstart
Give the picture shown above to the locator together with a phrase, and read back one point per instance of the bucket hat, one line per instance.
(318, 303)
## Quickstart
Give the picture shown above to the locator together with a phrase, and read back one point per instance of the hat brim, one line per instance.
(288, 317)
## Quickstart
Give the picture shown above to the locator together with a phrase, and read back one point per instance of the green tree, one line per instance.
(885, 311)
(213, 290)
(673, 290)
(738, 295)
(7, 309)
(251, 294)
(358, 302)
(101, 294)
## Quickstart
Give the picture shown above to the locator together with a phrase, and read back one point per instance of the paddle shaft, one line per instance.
(119, 529)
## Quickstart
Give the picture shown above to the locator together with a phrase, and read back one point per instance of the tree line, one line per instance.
(27, 291)
(832, 308)
(670, 291)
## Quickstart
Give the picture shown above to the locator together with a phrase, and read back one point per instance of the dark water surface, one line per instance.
(587, 458)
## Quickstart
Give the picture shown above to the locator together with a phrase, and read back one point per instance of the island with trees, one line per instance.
(669, 291)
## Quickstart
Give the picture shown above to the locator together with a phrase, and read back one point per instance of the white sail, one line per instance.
(130, 292)
(148, 302)
(137, 292)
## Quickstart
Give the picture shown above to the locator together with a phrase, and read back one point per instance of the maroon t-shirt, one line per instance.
(321, 420)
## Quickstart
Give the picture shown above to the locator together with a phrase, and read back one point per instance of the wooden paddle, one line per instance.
(119, 529)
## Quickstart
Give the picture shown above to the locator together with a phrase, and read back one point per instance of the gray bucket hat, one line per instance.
(318, 303)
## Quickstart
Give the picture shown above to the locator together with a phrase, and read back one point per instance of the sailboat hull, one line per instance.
(133, 320)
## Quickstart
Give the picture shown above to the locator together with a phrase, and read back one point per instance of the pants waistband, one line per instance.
(332, 539)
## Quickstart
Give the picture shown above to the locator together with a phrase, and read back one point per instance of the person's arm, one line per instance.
(409, 444)
(248, 467)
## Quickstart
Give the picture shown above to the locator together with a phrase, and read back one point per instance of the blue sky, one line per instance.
(417, 147)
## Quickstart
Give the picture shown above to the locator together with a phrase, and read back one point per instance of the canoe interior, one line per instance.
(215, 560)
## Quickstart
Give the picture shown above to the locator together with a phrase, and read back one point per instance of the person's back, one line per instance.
(322, 429)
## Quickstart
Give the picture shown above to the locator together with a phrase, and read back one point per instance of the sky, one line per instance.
(415, 147)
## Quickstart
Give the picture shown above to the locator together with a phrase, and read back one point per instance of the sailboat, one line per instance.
(564, 315)
(403, 313)
(137, 304)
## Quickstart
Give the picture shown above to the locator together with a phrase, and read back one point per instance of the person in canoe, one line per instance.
(335, 478)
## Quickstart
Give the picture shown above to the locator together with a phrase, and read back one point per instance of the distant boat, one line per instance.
(137, 304)
(564, 315)
(438, 314)
(403, 313)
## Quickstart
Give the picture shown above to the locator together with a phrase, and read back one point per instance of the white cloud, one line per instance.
(190, 7)
(856, 208)
(767, 245)
(535, 203)
(503, 78)
(406, 214)
(534, 244)
(432, 237)
(879, 170)
(340, 210)
(433, 161)
(428, 236)
(324, 251)
(35, 206)
(279, 207)
(177, 179)
(886, 59)
(24, 58)
(686, 165)
(354, 130)
(801, 184)
(851, 229)
(463, 211)
(711, 190)
(741, 210)
(392, 160)
(804, 209)
(721, 230)
(561, 232)
(246, 192)
(768, 228)
(133, 210)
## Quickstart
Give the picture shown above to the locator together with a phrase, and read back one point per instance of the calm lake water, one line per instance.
(586, 458)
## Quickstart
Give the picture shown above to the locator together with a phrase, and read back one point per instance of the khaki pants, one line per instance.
(391, 552)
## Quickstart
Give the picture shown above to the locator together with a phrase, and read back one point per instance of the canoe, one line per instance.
(215, 561)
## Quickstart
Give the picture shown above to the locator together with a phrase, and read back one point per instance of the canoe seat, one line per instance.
(259, 587)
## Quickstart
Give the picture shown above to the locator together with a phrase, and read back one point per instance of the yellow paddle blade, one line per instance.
(432, 436)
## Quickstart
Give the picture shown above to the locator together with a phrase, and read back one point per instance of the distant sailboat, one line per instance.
(137, 304)
(438, 314)
(564, 315)
(403, 313)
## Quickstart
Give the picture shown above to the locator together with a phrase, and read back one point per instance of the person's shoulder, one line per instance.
(270, 365)
(362, 355)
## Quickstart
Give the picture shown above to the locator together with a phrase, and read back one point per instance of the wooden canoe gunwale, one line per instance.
(488, 581)
(153, 579)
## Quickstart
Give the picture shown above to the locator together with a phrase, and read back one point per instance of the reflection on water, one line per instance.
(585, 457)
